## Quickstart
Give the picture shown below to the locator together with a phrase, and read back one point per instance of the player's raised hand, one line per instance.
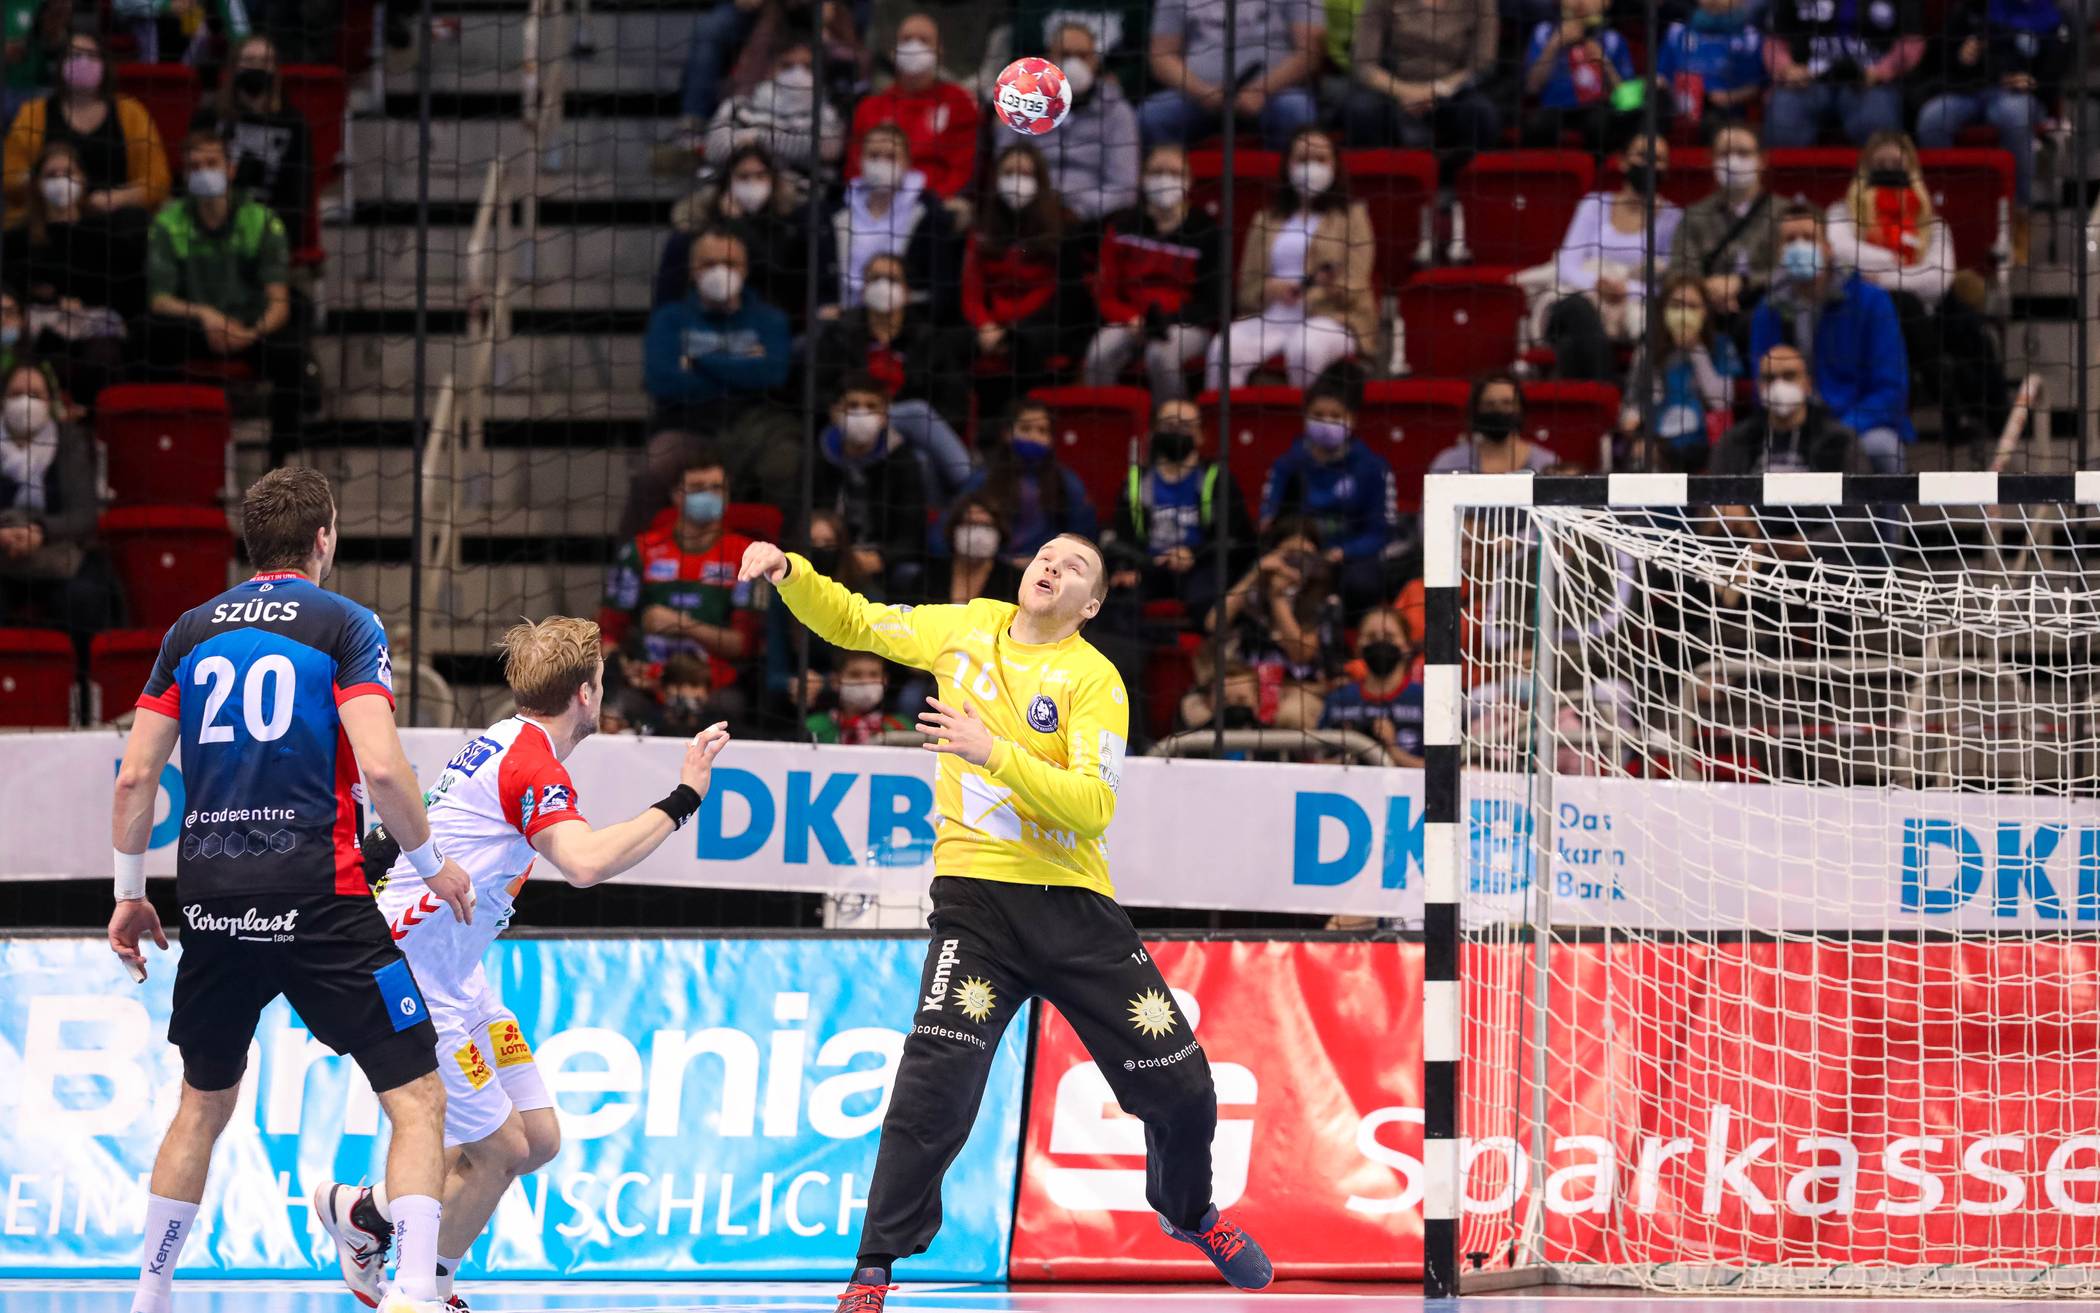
(959, 732)
(763, 561)
(455, 889)
(699, 765)
(133, 921)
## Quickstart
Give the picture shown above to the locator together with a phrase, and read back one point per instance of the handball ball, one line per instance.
(1032, 98)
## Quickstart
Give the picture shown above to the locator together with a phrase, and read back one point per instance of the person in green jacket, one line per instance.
(217, 269)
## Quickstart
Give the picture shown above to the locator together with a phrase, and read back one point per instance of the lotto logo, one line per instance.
(510, 1045)
(473, 1066)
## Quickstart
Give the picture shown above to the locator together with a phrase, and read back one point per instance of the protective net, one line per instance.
(1781, 964)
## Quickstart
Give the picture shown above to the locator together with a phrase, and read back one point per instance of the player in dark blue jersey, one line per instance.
(278, 692)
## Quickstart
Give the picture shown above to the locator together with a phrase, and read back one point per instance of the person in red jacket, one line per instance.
(940, 119)
(1157, 284)
(1015, 296)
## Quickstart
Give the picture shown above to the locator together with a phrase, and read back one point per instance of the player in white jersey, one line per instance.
(502, 800)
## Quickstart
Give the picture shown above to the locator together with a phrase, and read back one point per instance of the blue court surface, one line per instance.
(809, 1297)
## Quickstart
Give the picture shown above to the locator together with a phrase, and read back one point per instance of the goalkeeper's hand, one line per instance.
(132, 922)
(763, 561)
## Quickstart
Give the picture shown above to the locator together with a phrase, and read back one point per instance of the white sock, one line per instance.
(168, 1223)
(445, 1269)
(379, 1201)
(416, 1245)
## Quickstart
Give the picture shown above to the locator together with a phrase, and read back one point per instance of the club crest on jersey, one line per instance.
(1042, 715)
(552, 798)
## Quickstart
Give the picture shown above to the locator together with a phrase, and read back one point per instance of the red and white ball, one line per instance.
(1032, 97)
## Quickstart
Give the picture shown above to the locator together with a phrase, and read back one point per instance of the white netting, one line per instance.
(1812, 799)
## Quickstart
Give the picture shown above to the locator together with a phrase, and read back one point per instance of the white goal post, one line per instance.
(1761, 847)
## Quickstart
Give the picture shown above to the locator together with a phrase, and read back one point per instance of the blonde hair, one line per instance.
(1859, 197)
(545, 662)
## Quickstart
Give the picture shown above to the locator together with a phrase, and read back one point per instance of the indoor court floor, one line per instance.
(805, 1297)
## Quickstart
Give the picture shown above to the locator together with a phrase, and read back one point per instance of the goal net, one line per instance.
(1780, 896)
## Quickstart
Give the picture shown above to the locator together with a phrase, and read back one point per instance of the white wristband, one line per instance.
(425, 860)
(131, 874)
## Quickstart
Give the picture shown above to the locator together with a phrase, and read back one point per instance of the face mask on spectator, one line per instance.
(1801, 259)
(860, 697)
(1495, 425)
(703, 507)
(719, 284)
(1785, 395)
(1736, 172)
(1016, 189)
(751, 194)
(1313, 177)
(1327, 434)
(83, 72)
(1173, 445)
(915, 58)
(824, 559)
(1640, 178)
(862, 428)
(10, 335)
(796, 77)
(880, 172)
(1684, 322)
(1896, 177)
(976, 542)
(62, 191)
(253, 83)
(1382, 658)
(1079, 75)
(207, 184)
(1029, 450)
(884, 296)
(26, 414)
(1164, 191)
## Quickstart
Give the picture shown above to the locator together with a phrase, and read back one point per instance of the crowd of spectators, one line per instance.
(960, 269)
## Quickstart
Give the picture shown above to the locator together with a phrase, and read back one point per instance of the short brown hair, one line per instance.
(545, 662)
(281, 513)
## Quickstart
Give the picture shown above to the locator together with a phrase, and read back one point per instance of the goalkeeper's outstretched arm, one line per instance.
(908, 635)
(586, 856)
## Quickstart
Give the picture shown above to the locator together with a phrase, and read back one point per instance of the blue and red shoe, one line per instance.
(866, 1292)
(1232, 1251)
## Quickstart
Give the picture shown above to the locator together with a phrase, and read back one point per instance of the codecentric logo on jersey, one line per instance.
(1042, 714)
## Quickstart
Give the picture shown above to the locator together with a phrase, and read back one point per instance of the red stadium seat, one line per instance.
(1253, 179)
(170, 94)
(1518, 203)
(1265, 422)
(1817, 174)
(1460, 322)
(119, 661)
(169, 558)
(757, 520)
(1968, 189)
(320, 94)
(1098, 433)
(1395, 186)
(1408, 421)
(1170, 672)
(36, 679)
(1567, 418)
(167, 443)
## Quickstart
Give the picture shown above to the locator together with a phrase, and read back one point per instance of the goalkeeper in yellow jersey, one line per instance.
(1030, 722)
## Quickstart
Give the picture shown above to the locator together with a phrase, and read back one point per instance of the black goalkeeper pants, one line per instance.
(995, 945)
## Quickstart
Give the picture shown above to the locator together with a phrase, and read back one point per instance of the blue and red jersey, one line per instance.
(255, 676)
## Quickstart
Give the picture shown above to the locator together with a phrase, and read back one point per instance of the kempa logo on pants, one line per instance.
(166, 1250)
(942, 965)
(249, 922)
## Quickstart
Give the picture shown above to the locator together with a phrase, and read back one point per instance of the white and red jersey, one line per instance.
(499, 791)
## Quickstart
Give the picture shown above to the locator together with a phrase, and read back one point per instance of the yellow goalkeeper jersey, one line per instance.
(1037, 811)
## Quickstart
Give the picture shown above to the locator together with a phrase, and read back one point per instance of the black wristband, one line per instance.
(679, 804)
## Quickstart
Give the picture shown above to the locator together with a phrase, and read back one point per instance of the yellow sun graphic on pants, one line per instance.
(1152, 1014)
(974, 998)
